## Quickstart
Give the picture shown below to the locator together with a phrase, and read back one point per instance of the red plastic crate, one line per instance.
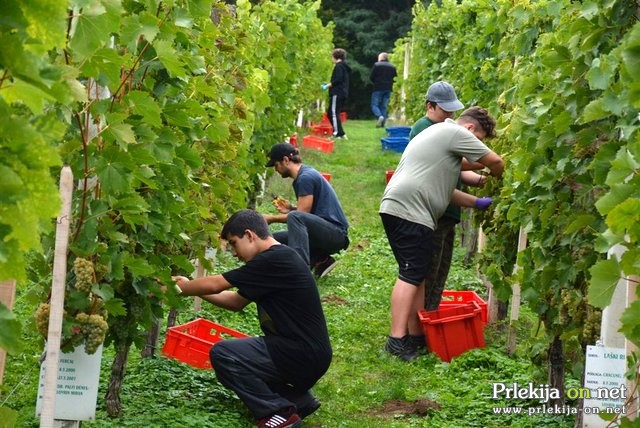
(451, 298)
(452, 331)
(389, 175)
(191, 342)
(326, 176)
(322, 129)
(319, 143)
(343, 117)
(293, 140)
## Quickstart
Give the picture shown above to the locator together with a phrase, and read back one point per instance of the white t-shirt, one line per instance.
(422, 184)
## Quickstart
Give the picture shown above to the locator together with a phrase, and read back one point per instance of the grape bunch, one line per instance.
(42, 319)
(83, 269)
(94, 328)
(572, 307)
(591, 328)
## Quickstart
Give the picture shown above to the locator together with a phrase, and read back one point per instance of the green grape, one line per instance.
(94, 329)
(83, 269)
(42, 319)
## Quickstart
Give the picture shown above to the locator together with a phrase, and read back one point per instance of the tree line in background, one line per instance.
(562, 79)
(364, 29)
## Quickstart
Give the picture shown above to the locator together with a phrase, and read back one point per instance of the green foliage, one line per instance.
(557, 75)
(164, 112)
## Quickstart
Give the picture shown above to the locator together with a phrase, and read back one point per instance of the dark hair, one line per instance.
(295, 157)
(480, 117)
(339, 54)
(243, 220)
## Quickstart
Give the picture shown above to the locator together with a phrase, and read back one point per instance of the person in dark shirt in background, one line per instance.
(382, 75)
(338, 90)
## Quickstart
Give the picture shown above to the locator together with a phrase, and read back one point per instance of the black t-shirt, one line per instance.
(289, 311)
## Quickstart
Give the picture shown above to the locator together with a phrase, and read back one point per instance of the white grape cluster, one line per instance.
(42, 319)
(93, 328)
(83, 269)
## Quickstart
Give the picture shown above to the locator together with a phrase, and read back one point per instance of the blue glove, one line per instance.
(325, 86)
(483, 203)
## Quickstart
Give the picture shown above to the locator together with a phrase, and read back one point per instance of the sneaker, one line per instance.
(401, 347)
(380, 122)
(287, 418)
(342, 137)
(325, 266)
(308, 408)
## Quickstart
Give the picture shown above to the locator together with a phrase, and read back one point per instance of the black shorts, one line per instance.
(412, 245)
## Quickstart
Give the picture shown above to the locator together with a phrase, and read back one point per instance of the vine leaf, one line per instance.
(616, 195)
(601, 73)
(169, 58)
(94, 28)
(630, 327)
(9, 331)
(631, 53)
(604, 278)
(595, 110)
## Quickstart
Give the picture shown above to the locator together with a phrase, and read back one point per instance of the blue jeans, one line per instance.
(379, 102)
(313, 237)
(245, 367)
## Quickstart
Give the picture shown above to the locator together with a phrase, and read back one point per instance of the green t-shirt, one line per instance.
(452, 211)
(421, 124)
(429, 169)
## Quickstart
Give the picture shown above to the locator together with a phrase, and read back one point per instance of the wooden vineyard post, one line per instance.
(299, 121)
(7, 297)
(405, 76)
(515, 297)
(57, 300)
(630, 348)
(492, 302)
(197, 301)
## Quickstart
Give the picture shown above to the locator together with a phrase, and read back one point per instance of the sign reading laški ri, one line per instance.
(77, 387)
(604, 370)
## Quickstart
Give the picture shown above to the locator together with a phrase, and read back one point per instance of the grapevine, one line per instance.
(562, 93)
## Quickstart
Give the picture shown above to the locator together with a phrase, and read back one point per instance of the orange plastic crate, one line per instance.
(293, 140)
(343, 117)
(452, 331)
(451, 297)
(389, 174)
(326, 176)
(323, 129)
(319, 143)
(191, 342)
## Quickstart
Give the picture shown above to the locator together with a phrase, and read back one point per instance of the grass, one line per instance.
(162, 392)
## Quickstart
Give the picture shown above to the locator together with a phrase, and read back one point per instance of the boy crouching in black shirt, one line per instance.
(272, 374)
